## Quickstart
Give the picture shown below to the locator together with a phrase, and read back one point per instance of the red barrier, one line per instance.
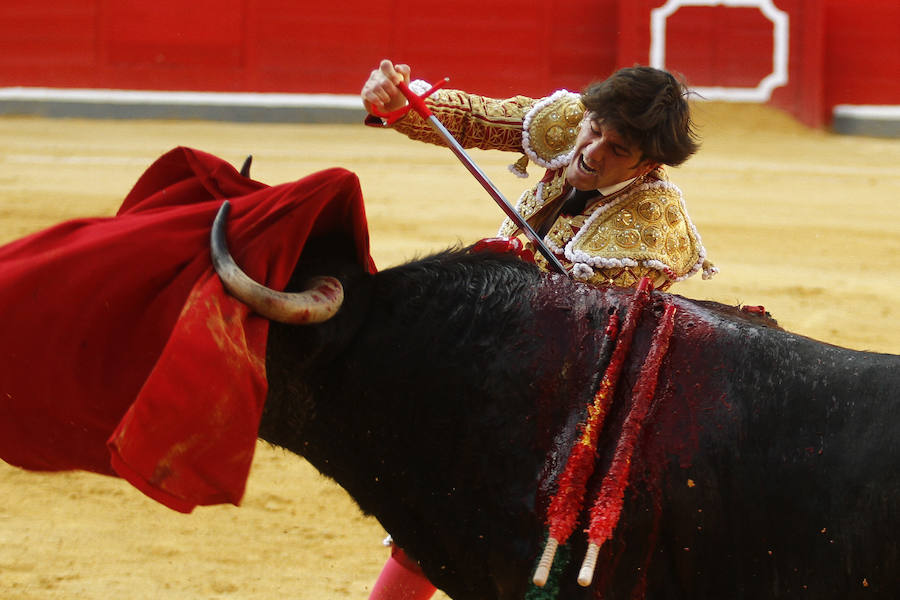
(862, 48)
(736, 50)
(838, 51)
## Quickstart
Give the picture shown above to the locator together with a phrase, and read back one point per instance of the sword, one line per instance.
(417, 103)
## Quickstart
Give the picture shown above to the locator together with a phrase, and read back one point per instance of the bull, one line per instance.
(445, 396)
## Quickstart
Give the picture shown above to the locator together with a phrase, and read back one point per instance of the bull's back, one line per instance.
(795, 485)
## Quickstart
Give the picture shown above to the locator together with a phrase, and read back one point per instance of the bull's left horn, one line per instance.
(317, 304)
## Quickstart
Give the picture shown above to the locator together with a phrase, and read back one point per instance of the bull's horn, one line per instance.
(318, 303)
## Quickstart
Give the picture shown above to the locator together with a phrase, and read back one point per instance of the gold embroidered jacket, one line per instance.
(642, 230)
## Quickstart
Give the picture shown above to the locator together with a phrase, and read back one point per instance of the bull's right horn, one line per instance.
(317, 304)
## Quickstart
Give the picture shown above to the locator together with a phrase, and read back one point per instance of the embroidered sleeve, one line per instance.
(475, 121)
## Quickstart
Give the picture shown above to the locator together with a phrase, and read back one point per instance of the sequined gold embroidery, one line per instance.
(647, 224)
(673, 216)
(555, 138)
(649, 210)
(629, 276)
(624, 219)
(573, 113)
(628, 239)
(651, 236)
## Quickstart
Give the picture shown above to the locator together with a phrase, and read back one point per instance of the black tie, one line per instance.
(578, 201)
(573, 205)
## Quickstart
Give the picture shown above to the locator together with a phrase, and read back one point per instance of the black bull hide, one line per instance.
(446, 393)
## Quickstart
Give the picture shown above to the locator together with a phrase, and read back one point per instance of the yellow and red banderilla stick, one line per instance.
(608, 505)
(566, 504)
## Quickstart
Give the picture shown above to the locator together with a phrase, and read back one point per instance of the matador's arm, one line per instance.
(475, 121)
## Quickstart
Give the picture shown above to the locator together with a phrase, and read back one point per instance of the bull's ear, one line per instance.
(245, 168)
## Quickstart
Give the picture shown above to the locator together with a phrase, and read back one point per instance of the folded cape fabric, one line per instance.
(122, 354)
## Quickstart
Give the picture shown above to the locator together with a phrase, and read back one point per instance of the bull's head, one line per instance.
(319, 302)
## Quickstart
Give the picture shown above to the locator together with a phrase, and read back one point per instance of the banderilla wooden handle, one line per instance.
(543, 569)
(586, 574)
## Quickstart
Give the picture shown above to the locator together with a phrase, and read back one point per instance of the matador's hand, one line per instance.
(381, 88)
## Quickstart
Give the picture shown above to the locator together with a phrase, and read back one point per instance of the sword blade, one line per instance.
(498, 197)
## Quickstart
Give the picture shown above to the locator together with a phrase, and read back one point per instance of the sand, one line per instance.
(803, 222)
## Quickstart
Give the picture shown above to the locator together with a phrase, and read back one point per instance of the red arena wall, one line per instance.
(805, 56)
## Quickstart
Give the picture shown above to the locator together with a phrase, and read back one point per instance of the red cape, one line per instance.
(120, 351)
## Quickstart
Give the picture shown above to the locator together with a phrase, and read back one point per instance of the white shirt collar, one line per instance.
(612, 189)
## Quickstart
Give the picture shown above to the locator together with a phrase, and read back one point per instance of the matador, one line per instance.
(615, 235)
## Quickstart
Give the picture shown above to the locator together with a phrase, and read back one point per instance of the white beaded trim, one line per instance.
(553, 247)
(561, 160)
(582, 271)
(538, 195)
(419, 86)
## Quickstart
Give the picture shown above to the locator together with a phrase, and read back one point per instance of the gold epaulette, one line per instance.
(550, 129)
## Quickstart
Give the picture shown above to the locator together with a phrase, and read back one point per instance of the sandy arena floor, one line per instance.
(803, 222)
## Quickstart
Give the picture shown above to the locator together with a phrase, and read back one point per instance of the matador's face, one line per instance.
(602, 157)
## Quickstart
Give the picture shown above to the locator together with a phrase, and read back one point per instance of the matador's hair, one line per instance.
(649, 108)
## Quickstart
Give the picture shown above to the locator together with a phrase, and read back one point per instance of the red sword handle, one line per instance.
(415, 102)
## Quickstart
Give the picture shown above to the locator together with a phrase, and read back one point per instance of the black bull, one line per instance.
(445, 395)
